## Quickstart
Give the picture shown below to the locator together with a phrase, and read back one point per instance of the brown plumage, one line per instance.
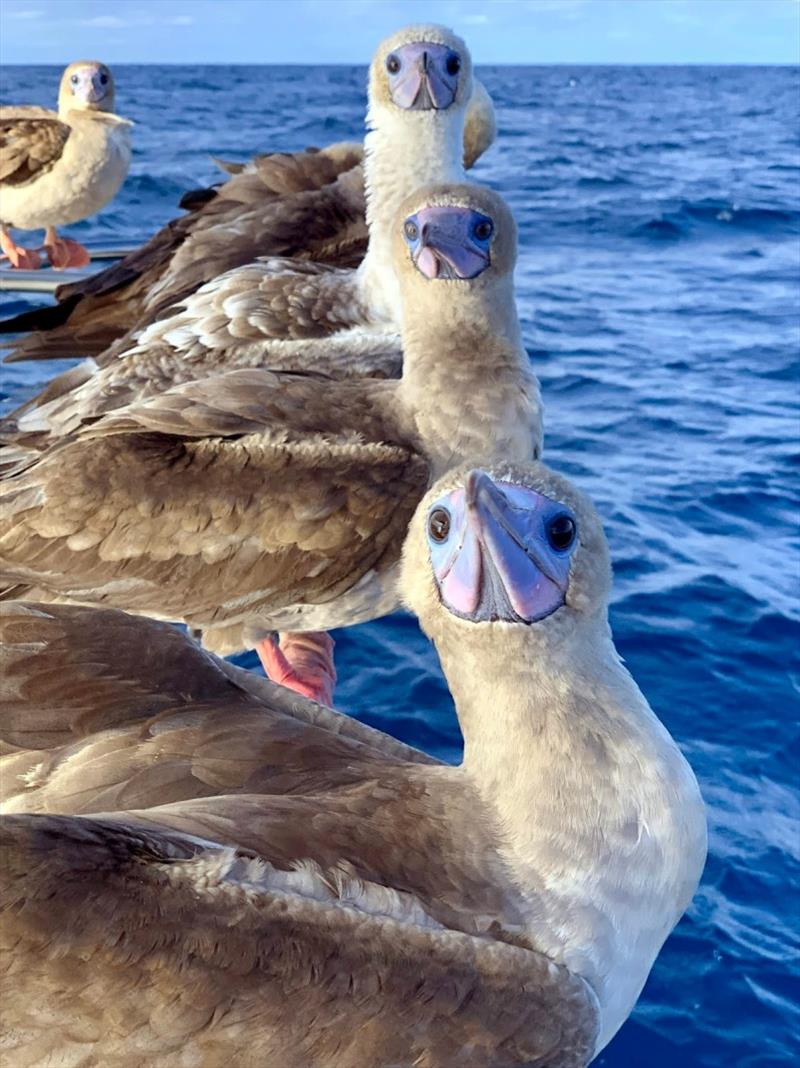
(280, 887)
(82, 394)
(85, 727)
(199, 869)
(218, 498)
(289, 204)
(31, 140)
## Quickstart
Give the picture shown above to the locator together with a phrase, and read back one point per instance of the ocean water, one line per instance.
(659, 219)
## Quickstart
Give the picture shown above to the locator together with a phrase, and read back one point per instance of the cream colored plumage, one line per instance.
(60, 168)
(237, 875)
(604, 828)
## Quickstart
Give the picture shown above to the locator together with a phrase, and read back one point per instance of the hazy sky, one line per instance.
(346, 31)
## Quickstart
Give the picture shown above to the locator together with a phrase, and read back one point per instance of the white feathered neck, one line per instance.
(601, 820)
(402, 151)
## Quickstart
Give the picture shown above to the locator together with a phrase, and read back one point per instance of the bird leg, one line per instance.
(303, 662)
(65, 253)
(19, 257)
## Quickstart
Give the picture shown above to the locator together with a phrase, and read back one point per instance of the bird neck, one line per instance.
(467, 388)
(402, 152)
(600, 819)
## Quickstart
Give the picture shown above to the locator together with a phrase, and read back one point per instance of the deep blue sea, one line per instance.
(659, 214)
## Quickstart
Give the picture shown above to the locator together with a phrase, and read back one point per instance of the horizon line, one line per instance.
(365, 63)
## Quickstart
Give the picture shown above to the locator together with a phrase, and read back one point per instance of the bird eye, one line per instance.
(74, 79)
(453, 65)
(483, 230)
(411, 230)
(561, 531)
(439, 524)
(104, 79)
(392, 63)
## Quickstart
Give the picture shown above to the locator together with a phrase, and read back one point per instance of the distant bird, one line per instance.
(251, 501)
(60, 168)
(198, 868)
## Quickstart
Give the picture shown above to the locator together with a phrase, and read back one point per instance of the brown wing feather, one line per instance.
(101, 710)
(88, 726)
(301, 898)
(82, 394)
(282, 208)
(324, 225)
(216, 501)
(29, 147)
(277, 298)
(68, 672)
(122, 941)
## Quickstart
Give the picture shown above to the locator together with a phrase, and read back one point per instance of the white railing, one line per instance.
(46, 280)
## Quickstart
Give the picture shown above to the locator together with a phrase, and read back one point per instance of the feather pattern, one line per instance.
(60, 169)
(289, 205)
(217, 499)
(29, 144)
(264, 884)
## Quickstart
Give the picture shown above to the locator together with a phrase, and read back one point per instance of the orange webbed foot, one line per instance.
(64, 253)
(25, 259)
(303, 662)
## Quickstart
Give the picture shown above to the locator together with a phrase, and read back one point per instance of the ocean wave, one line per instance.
(689, 217)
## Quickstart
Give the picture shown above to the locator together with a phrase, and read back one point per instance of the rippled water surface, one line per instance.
(658, 289)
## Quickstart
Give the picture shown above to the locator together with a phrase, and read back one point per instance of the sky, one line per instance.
(346, 31)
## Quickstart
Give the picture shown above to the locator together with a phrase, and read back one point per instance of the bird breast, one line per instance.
(83, 180)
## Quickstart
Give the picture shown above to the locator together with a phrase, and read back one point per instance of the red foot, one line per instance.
(64, 253)
(21, 258)
(303, 662)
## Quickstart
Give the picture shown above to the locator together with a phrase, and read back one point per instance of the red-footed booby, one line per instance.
(197, 868)
(59, 168)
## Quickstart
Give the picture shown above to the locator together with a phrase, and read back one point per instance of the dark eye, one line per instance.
(484, 229)
(74, 79)
(392, 63)
(411, 230)
(561, 531)
(104, 79)
(453, 65)
(439, 524)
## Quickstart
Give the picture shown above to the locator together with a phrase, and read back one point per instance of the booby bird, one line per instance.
(320, 216)
(192, 871)
(59, 168)
(254, 501)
